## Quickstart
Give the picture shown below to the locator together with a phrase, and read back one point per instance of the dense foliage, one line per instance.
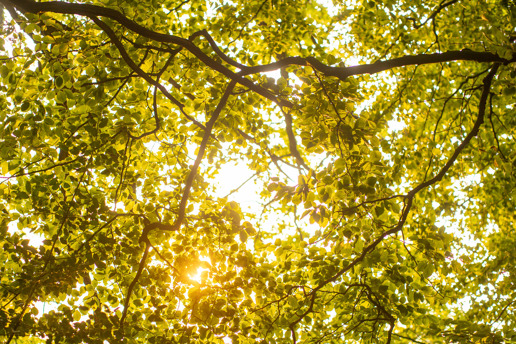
(387, 186)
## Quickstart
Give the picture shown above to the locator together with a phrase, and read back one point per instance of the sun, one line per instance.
(200, 273)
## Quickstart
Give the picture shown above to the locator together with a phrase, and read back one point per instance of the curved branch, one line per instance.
(216, 49)
(432, 16)
(93, 11)
(111, 34)
(411, 194)
(380, 66)
(474, 131)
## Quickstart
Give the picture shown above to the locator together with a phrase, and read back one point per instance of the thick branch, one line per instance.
(474, 131)
(380, 66)
(339, 72)
(292, 140)
(410, 196)
(216, 49)
(99, 11)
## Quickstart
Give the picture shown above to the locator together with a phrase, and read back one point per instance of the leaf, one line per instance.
(77, 315)
(90, 70)
(25, 106)
(4, 71)
(243, 236)
(59, 82)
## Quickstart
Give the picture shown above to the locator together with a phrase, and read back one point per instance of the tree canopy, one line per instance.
(380, 134)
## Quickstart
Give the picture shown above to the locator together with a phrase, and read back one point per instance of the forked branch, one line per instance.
(411, 194)
(94, 11)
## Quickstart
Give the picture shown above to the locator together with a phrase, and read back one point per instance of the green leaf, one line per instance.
(59, 82)
(25, 106)
(77, 315)
(90, 70)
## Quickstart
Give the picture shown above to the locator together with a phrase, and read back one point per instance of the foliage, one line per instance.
(387, 187)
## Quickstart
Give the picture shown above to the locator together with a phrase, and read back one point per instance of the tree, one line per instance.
(117, 116)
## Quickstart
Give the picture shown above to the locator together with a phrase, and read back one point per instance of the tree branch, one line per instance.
(93, 11)
(292, 143)
(474, 131)
(111, 34)
(411, 194)
(133, 283)
(380, 66)
(216, 49)
(200, 154)
(342, 73)
(432, 16)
